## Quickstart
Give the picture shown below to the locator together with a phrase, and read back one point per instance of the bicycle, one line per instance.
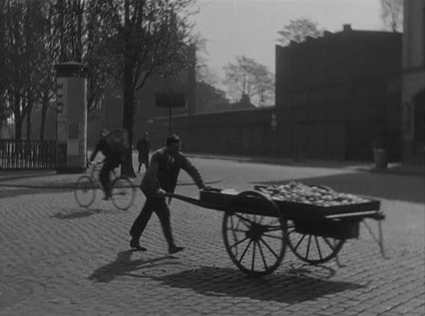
(122, 189)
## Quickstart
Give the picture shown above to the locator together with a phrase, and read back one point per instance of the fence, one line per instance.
(22, 154)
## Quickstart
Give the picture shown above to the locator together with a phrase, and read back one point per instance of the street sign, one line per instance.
(170, 100)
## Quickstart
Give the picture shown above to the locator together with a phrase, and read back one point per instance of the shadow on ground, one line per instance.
(8, 176)
(296, 284)
(125, 266)
(78, 213)
(11, 191)
(287, 287)
(385, 186)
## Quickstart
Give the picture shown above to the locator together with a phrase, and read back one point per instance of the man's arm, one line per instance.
(193, 172)
(150, 183)
(94, 153)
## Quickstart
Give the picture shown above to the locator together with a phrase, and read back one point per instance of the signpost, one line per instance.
(170, 100)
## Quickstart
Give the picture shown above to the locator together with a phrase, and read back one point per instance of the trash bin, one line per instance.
(380, 158)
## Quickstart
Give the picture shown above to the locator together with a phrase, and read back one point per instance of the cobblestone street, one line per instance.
(60, 259)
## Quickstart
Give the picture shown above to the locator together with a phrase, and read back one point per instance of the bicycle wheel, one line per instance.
(84, 191)
(122, 193)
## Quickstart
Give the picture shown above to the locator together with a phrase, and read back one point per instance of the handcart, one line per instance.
(257, 227)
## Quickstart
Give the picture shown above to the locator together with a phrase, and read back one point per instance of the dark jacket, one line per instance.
(111, 157)
(164, 170)
(143, 146)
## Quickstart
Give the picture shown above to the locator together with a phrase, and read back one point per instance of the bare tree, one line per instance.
(77, 35)
(44, 74)
(247, 78)
(392, 14)
(144, 38)
(4, 111)
(3, 70)
(21, 36)
(298, 30)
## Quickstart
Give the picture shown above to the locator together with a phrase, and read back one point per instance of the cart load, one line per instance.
(310, 194)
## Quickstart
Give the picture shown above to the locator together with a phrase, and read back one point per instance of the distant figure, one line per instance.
(143, 147)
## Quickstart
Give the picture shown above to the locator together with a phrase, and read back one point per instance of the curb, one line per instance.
(393, 168)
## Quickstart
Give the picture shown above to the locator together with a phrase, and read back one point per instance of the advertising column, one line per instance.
(71, 101)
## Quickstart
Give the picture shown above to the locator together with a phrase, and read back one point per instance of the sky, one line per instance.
(249, 27)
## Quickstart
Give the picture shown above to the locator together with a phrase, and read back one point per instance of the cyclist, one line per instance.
(113, 158)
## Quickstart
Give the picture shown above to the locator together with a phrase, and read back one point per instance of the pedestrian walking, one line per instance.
(160, 178)
(144, 147)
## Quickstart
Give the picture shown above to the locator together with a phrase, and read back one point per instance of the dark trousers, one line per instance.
(159, 206)
(143, 160)
(104, 175)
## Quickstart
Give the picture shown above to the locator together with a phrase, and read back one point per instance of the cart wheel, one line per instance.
(84, 191)
(311, 248)
(255, 243)
(122, 193)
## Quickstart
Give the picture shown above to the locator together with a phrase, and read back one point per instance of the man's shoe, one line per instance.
(175, 249)
(135, 245)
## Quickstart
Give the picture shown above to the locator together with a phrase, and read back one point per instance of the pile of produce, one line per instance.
(316, 195)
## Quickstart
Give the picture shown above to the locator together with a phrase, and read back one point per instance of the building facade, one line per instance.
(336, 97)
(347, 81)
(413, 102)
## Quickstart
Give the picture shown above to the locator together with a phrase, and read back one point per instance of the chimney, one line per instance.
(346, 27)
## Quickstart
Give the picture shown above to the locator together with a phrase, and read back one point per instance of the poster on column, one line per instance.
(62, 110)
(62, 130)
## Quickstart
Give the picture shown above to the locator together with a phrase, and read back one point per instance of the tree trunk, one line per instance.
(18, 117)
(44, 106)
(128, 114)
(29, 121)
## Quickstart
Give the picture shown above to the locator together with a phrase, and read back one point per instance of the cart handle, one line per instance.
(194, 201)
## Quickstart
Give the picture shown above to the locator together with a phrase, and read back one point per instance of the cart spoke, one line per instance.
(274, 236)
(329, 244)
(244, 220)
(308, 246)
(299, 242)
(270, 249)
(273, 228)
(262, 256)
(257, 219)
(239, 230)
(235, 227)
(245, 251)
(318, 247)
(239, 242)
